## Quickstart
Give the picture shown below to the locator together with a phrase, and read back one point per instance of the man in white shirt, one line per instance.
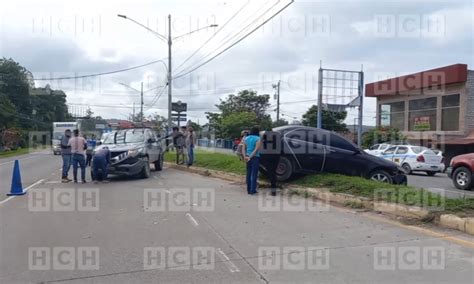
(78, 146)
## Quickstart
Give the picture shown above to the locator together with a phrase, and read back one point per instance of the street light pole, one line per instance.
(169, 75)
(141, 107)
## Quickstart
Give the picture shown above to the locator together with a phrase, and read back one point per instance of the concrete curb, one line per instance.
(446, 220)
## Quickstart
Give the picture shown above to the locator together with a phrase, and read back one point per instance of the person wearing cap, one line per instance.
(66, 155)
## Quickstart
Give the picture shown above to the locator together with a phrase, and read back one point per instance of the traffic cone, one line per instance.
(17, 188)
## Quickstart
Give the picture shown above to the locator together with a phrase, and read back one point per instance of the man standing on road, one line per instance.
(101, 163)
(270, 156)
(178, 142)
(251, 153)
(78, 146)
(184, 132)
(91, 143)
(66, 155)
(190, 143)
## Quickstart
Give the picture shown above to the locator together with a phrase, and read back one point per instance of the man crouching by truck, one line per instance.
(100, 164)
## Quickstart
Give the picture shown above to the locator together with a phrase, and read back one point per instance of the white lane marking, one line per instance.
(167, 191)
(25, 190)
(192, 220)
(53, 181)
(227, 261)
(11, 162)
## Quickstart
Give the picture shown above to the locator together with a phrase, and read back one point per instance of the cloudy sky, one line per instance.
(384, 38)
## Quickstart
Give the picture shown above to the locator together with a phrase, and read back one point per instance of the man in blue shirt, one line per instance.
(251, 153)
(100, 164)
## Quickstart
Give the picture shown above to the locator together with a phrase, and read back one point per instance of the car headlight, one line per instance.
(135, 152)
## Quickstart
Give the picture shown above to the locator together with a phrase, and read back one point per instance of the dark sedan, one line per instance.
(310, 150)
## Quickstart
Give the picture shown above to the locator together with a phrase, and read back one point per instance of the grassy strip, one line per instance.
(357, 186)
(20, 151)
(213, 161)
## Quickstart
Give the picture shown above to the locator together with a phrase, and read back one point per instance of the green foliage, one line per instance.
(239, 106)
(15, 84)
(7, 112)
(381, 135)
(331, 120)
(24, 106)
(234, 123)
(280, 122)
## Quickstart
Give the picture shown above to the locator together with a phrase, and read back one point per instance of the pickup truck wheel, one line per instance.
(284, 169)
(145, 173)
(462, 178)
(381, 176)
(159, 163)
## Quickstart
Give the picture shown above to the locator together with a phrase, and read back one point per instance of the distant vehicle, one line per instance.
(377, 149)
(311, 150)
(58, 133)
(461, 171)
(415, 159)
(132, 152)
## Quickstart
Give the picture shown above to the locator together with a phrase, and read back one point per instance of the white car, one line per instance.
(415, 159)
(377, 149)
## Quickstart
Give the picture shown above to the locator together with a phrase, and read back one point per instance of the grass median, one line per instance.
(356, 186)
(19, 151)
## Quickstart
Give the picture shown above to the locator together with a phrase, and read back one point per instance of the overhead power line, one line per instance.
(238, 41)
(213, 35)
(99, 74)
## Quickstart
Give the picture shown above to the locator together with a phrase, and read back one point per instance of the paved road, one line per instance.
(151, 231)
(440, 183)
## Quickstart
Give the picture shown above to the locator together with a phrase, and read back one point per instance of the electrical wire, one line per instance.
(99, 74)
(210, 38)
(231, 36)
(229, 47)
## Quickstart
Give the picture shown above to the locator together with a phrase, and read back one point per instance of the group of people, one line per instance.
(184, 140)
(79, 152)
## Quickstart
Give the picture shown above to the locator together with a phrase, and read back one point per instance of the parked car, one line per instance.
(312, 150)
(415, 159)
(377, 149)
(461, 171)
(132, 151)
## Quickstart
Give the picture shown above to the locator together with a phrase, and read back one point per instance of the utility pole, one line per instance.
(361, 108)
(320, 98)
(141, 107)
(278, 100)
(170, 84)
(133, 116)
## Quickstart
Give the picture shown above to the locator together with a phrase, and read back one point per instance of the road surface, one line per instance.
(181, 227)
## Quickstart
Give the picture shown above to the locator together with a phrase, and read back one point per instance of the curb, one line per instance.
(449, 221)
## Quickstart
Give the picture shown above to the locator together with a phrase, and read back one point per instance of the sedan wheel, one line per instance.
(284, 169)
(381, 176)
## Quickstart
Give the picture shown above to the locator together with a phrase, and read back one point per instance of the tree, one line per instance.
(331, 120)
(382, 135)
(8, 116)
(15, 84)
(89, 113)
(240, 105)
(160, 122)
(234, 123)
(280, 122)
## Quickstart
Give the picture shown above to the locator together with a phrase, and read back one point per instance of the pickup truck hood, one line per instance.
(469, 156)
(121, 147)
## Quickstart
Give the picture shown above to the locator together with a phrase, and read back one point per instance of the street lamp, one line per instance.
(169, 41)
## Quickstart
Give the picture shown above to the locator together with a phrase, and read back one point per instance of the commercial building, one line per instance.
(433, 108)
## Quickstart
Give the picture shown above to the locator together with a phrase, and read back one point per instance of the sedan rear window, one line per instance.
(419, 149)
